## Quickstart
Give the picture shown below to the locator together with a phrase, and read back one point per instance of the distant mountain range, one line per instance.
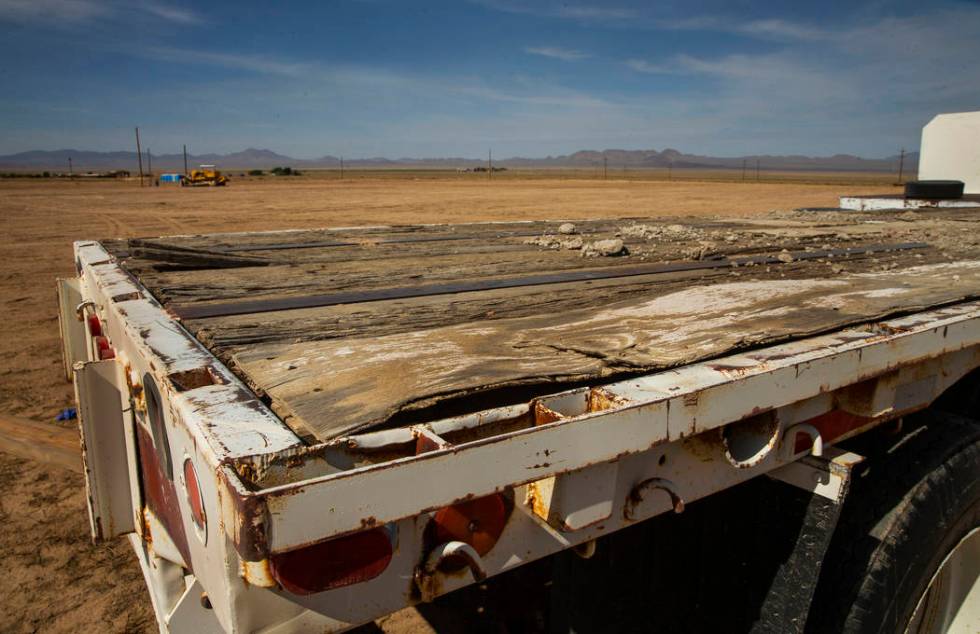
(83, 161)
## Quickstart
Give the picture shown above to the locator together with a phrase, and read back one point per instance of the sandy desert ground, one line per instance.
(54, 580)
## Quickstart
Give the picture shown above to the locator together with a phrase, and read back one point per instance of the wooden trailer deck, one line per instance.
(346, 329)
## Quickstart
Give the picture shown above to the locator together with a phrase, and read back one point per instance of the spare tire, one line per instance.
(934, 189)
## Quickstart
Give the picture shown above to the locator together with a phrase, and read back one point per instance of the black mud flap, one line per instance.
(745, 560)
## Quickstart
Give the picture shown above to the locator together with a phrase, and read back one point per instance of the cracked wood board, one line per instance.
(475, 254)
(331, 387)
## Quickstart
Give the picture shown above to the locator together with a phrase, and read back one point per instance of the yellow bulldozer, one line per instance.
(205, 175)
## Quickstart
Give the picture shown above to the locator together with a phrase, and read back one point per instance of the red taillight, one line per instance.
(478, 522)
(194, 499)
(94, 326)
(334, 563)
(105, 350)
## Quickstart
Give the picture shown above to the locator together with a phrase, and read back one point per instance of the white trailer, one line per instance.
(305, 431)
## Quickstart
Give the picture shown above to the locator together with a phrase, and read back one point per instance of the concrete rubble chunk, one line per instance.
(604, 248)
(567, 229)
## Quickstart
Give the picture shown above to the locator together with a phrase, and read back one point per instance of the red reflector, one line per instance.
(334, 563)
(105, 350)
(194, 499)
(477, 522)
(94, 326)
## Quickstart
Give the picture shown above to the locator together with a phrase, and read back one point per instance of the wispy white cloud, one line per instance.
(871, 82)
(587, 12)
(643, 66)
(545, 96)
(658, 17)
(582, 12)
(252, 63)
(779, 29)
(346, 79)
(64, 13)
(769, 29)
(555, 52)
(54, 12)
(172, 13)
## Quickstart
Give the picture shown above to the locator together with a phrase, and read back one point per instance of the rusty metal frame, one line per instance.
(653, 410)
(594, 451)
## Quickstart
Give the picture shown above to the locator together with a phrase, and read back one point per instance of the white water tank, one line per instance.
(951, 149)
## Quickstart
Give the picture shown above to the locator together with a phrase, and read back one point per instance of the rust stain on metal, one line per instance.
(706, 446)
(250, 531)
(543, 414)
(369, 522)
(535, 501)
(193, 379)
(598, 400)
(161, 493)
(750, 440)
(257, 573)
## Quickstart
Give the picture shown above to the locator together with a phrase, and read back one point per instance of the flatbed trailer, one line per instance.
(312, 429)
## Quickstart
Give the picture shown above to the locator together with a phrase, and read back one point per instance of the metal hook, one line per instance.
(80, 309)
(585, 550)
(789, 439)
(636, 495)
(456, 550)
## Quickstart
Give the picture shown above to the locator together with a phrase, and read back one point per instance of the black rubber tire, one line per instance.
(943, 190)
(918, 495)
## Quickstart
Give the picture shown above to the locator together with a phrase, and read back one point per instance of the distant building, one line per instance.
(106, 174)
(951, 150)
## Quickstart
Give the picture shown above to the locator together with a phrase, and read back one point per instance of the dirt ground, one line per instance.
(54, 580)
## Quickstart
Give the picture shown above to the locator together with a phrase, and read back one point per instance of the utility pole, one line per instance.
(901, 165)
(139, 155)
(743, 169)
(341, 168)
(70, 175)
(185, 160)
(149, 162)
(605, 168)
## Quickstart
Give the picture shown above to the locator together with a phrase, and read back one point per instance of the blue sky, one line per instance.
(376, 78)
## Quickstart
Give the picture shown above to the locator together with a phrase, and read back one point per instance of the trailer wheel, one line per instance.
(906, 552)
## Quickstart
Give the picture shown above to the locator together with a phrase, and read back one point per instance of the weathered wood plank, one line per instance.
(337, 386)
(335, 368)
(311, 271)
